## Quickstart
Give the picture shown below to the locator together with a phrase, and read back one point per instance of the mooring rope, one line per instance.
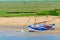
(27, 21)
(44, 21)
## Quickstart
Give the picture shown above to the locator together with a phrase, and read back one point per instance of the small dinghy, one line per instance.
(40, 27)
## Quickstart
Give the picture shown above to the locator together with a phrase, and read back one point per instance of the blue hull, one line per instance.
(39, 27)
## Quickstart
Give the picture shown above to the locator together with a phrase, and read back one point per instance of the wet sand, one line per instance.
(18, 23)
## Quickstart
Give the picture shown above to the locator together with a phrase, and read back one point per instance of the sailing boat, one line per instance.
(41, 27)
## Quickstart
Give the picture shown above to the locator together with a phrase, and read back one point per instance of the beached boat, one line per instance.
(41, 27)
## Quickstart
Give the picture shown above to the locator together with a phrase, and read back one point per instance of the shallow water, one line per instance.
(13, 35)
(4, 35)
(40, 37)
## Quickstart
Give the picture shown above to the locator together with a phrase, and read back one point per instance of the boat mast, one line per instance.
(38, 6)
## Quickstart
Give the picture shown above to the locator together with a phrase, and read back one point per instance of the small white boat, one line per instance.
(41, 27)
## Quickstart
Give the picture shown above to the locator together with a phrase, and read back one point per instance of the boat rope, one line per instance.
(45, 21)
(27, 21)
(35, 20)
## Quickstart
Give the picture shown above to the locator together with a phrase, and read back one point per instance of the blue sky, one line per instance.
(29, 0)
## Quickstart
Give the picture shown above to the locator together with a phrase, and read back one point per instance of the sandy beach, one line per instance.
(17, 23)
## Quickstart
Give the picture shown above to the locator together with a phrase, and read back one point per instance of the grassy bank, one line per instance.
(55, 12)
(39, 8)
